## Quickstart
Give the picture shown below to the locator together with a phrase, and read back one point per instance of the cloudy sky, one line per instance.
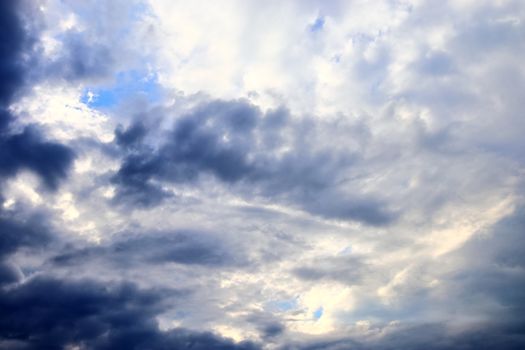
(245, 174)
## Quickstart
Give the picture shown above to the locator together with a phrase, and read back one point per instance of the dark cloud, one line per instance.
(13, 41)
(46, 313)
(25, 150)
(187, 248)
(28, 150)
(268, 326)
(438, 337)
(234, 142)
(345, 269)
(272, 330)
(130, 136)
(17, 233)
(42, 312)
(493, 269)
(332, 205)
(135, 180)
(486, 336)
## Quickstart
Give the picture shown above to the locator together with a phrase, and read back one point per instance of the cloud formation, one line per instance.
(236, 143)
(25, 150)
(247, 175)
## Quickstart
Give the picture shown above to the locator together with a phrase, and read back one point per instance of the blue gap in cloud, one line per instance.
(283, 305)
(128, 84)
(318, 313)
(317, 25)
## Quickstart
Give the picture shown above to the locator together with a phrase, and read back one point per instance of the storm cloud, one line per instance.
(53, 314)
(28, 149)
(261, 154)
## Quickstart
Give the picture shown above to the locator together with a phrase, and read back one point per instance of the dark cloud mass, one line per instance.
(46, 313)
(236, 143)
(16, 234)
(13, 40)
(348, 270)
(186, 248)
(131, 136)
(28, 150)
(429, 336)
(25, 150)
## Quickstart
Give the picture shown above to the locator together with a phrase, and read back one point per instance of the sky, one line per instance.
(245, 174)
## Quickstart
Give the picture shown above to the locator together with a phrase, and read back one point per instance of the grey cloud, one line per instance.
(493, 270)
(52, 314)
(14, 41)
(134, 181)
(40, 311)
(81, 59)
(96, 54)
(434, 336)
(130, 136)
(348, 270)
(186, 248)
(27, 149)
(17, 233)
(237, 144)
(269, 327)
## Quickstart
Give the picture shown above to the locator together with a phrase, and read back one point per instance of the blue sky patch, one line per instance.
(318, 313)
(127, 84)
(317, 25)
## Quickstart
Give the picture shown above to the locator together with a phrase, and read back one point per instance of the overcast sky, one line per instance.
(299, 174)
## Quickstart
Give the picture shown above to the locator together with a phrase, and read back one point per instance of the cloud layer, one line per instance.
(299, 175)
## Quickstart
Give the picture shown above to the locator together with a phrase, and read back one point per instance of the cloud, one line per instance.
(31, 233)
(28, 150)
(82, 40)
(14, 41)
(186, 248)
(25, 150)
(16, 234)
(345, 269)
(484, 277)
(262, 153)
(429, 336)
(50, 313)
(492, 270)
(132, 135)
(307, 175)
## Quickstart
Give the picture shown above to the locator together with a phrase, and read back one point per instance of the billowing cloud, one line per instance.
(25, 150)
(49, 313)
(263, 154)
